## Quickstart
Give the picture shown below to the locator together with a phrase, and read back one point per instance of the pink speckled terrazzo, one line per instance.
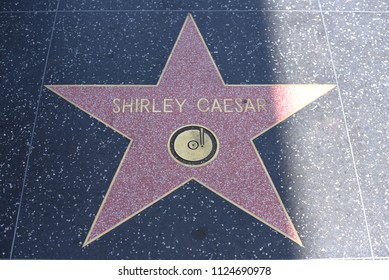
(185, 95)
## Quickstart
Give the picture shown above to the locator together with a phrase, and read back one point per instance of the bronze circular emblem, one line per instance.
(193, 145)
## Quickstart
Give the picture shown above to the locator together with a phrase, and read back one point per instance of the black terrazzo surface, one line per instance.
(314, 157)
(361, 57)
(28, 5)
(188, 5)
(23, 48)
(356, 5)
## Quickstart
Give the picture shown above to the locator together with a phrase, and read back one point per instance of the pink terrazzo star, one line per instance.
(148, 172)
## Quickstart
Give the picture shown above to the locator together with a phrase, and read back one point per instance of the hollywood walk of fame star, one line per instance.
(182, 102)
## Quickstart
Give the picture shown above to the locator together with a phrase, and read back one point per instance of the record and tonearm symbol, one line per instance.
(193, 145)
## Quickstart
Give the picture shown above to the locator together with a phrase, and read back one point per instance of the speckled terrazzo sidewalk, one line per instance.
(327, 162)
